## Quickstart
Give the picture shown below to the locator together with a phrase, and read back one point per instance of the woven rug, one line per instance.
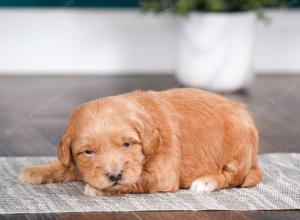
(279, 190)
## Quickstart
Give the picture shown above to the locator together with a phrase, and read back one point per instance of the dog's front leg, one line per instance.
(160, 174)
(51, 172)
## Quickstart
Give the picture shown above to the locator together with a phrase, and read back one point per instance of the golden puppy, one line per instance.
(144, 142)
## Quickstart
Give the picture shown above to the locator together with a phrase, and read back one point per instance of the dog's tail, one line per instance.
(253, 177)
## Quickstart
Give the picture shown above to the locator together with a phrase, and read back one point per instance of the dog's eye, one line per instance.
(126, 144)
(88, 152)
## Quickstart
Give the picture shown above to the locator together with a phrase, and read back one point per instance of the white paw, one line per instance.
(203, 185)
(91, 191)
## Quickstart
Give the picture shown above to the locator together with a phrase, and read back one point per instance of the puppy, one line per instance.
(146, 142)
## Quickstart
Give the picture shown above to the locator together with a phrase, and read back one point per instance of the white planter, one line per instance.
(215, 50)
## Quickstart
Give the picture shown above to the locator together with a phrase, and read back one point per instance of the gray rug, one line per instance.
(279, 190)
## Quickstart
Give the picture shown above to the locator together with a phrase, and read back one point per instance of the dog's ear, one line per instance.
(149, 135)
(64, 152)
(151, 139)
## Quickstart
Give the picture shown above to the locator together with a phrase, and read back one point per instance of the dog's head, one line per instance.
(108, 140)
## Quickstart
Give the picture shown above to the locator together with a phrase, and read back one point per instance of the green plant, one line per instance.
(186, 6)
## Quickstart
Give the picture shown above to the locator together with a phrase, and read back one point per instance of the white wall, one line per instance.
(278, 44)
(76, 41)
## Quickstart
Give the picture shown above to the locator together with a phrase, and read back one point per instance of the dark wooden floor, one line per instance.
(34, 111)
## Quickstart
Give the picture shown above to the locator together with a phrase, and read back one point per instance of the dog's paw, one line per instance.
(91, 191)
(31, 175)
(204, 184)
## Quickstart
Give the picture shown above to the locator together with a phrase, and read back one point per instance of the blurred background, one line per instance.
(57, 54)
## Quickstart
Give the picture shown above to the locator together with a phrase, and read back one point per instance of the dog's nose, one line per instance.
(115, 176)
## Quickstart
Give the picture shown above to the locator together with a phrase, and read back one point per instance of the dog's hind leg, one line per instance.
(232, 175)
